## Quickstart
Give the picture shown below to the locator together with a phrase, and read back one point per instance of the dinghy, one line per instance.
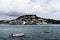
(47, 31)
(17, 35)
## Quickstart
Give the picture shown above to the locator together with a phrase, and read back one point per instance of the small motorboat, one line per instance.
(17, 35)
(47, 31)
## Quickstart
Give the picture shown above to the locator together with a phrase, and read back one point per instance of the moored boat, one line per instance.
(47, 31)
(17, 35)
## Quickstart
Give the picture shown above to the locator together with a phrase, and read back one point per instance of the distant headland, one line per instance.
(29, 20)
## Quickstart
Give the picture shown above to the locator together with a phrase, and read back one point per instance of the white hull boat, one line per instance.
(17, 35)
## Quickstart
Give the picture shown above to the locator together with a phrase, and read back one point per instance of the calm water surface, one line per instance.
(32, 32)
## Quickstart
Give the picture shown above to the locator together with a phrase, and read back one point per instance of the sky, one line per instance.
(11, 9)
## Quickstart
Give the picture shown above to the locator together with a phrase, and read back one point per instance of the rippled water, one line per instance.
(32, 32)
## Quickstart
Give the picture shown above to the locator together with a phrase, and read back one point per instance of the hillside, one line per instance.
(32, 20)
(4, 21)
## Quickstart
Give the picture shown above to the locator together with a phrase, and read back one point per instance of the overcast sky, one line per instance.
(10, 9)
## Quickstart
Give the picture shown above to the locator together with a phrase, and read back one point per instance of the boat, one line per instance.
(17, 35)
(47, 31)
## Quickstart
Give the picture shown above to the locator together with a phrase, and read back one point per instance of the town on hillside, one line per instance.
(29, 20)
(32, 20)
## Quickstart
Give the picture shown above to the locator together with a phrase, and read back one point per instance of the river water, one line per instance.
(32, 32)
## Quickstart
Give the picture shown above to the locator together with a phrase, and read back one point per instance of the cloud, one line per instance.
(15, 14)
(14, 5)
(22, 5)
(55, 4)
(6, 17)
(43, 8)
